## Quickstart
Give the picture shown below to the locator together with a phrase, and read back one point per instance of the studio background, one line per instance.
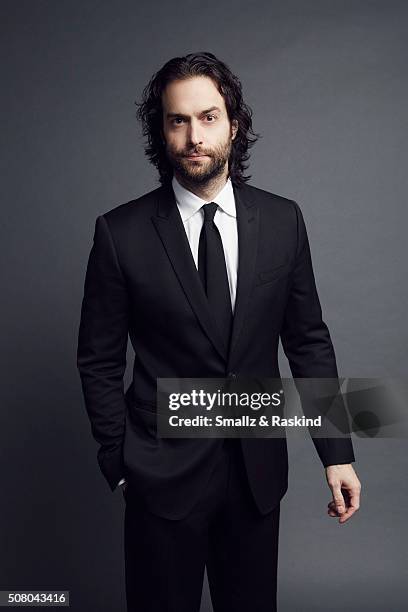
(327, 85)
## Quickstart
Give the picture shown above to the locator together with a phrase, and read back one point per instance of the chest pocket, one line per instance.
(272, 274)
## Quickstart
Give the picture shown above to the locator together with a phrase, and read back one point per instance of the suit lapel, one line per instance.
(248, 224)
(169, 226)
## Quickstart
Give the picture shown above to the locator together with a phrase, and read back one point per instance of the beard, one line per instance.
(200, 172)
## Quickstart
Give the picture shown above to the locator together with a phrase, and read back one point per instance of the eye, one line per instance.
(176, 119)
(212, 117)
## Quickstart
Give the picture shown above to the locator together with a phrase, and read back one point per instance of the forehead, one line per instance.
(191, 96)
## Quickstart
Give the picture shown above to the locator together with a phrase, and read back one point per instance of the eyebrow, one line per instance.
(204, 112)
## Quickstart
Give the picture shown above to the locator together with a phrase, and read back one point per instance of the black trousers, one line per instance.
(165, 559)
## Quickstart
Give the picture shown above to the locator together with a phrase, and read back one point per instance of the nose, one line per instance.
(194, 134)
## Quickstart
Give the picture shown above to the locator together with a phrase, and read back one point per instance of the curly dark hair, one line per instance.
(150, 111)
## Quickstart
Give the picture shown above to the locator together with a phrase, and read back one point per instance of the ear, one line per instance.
(234, 128)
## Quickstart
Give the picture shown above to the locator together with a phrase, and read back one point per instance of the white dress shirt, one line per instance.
(225, 219)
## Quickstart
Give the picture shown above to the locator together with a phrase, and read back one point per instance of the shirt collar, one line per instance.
(189, 203)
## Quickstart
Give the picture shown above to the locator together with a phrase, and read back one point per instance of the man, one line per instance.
(205, 273)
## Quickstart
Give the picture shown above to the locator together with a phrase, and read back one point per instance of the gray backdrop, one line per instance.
(327, 84)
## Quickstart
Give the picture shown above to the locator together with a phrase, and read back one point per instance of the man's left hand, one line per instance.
(345, 488)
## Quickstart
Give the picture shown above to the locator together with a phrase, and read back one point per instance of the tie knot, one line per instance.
(209, 211)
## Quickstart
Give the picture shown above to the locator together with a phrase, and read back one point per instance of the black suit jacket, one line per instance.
(141, 280)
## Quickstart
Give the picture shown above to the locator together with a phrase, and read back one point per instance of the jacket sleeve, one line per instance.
(101, 353)
(307, 344)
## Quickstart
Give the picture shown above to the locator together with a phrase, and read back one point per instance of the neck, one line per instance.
(207, 191)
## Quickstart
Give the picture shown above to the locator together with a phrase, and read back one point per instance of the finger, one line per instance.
(343, 517)
(354, 505)
(338, 498)
(355, 498)
(331, 509)
(347, 515)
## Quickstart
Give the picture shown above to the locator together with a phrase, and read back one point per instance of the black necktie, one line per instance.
(213, 272)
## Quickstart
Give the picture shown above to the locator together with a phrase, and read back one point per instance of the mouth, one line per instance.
(196, 156)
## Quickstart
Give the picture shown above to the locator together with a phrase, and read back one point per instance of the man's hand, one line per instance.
(345, 488)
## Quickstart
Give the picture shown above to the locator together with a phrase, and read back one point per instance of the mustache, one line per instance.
(189, 153)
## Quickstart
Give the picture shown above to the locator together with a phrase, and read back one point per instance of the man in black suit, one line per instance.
(205, 274)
